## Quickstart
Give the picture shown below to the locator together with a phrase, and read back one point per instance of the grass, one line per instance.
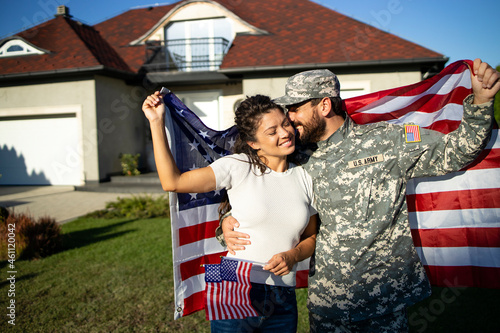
(115, 275)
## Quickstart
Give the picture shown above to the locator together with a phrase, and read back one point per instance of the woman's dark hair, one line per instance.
(247, 118)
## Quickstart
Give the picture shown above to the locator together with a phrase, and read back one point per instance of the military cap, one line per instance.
(317, 83)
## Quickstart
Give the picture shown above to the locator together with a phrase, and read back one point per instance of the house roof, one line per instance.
(120, 30)
(299, 33)
(71, 46)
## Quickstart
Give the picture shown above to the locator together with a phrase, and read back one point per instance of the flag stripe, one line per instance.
(450, 200)
(192, 303)
(198, 232)
(422, 109)
(479, 218)
(460, 256)
(233, 285)
(442, 84)
(195, 266)
(197, 249)
(189, 217)
(472, 179)
(464, 276)
(488, 159)
(456, 237)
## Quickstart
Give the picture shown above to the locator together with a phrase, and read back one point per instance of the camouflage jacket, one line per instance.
(365, 261)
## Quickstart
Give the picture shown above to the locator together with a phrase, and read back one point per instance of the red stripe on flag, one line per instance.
(488, 159)
(301, 278)
(452, 200)
(193, 303)
(426, 104)
(197, 232)
(444, 126)
(194, 267)
(456, 237)
(464, 276)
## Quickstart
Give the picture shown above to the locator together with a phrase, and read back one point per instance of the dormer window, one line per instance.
(198, 44)
(18, 47)
(193, 36)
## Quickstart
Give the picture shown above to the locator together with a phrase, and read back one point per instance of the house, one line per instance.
(71, 94)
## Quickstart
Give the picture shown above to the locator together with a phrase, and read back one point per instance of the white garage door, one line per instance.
(40, 150)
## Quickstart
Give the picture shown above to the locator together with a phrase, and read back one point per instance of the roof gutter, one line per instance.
(79, 70)
(333, 65)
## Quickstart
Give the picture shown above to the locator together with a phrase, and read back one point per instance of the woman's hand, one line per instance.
(282, 263)
(153, 107)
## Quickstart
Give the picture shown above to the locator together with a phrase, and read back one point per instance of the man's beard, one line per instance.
(313, 131)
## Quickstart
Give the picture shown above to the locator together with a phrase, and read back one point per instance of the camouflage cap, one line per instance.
(306, 85)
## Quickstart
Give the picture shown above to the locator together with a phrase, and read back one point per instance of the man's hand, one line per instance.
(485, 82)
(235, 240)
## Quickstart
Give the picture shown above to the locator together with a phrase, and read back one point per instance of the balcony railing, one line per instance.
(195, 54)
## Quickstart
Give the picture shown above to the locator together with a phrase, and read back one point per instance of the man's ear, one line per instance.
(326, 107)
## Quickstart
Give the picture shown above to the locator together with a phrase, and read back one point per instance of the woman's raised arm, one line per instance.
(172, 180)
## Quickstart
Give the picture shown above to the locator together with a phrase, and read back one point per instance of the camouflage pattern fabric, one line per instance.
(365, 261)
(317, 83)
(392, 322)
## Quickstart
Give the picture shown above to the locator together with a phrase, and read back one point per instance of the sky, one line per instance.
(458, 29)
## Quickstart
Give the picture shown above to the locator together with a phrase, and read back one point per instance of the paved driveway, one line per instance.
(62, 203)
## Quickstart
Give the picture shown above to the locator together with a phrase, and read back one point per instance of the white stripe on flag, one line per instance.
(460, 256)
(389, 103)
(186, 217)
(197, 249)
(478, 218)
(193, 285)
(457, 181)
(449, 112)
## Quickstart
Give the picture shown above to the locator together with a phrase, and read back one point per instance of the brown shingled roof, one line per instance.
(300, 32)
(72, 45)
(120, 30)
(304, 32)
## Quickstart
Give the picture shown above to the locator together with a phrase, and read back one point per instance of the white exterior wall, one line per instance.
(51, 99)
(275, 87)
(121, 124)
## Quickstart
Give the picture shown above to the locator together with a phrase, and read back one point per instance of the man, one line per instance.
(366, 270)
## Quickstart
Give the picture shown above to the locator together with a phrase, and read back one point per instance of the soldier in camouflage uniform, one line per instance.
(366, 270)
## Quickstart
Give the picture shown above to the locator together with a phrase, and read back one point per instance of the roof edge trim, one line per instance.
(99, 68)
(333, 64)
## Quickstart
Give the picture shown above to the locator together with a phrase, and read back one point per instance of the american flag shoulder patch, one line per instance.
(412, 133)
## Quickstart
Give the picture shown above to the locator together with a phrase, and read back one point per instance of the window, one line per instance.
(198, 44)
(17, 47)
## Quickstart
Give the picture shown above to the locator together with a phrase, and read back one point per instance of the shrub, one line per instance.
(130, 164)
(137, 207)
(33, 239)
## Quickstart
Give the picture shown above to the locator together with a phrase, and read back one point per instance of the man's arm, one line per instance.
(438, 154)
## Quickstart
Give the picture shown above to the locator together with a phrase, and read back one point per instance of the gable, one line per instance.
(197, 11)
(17, 46)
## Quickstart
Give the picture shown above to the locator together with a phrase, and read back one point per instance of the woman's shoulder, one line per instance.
(232, 160)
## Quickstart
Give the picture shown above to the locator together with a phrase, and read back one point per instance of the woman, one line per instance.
(270, 197)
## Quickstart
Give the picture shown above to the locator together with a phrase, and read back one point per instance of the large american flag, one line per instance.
(455, 219)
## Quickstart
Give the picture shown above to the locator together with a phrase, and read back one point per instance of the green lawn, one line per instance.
(115, 275)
